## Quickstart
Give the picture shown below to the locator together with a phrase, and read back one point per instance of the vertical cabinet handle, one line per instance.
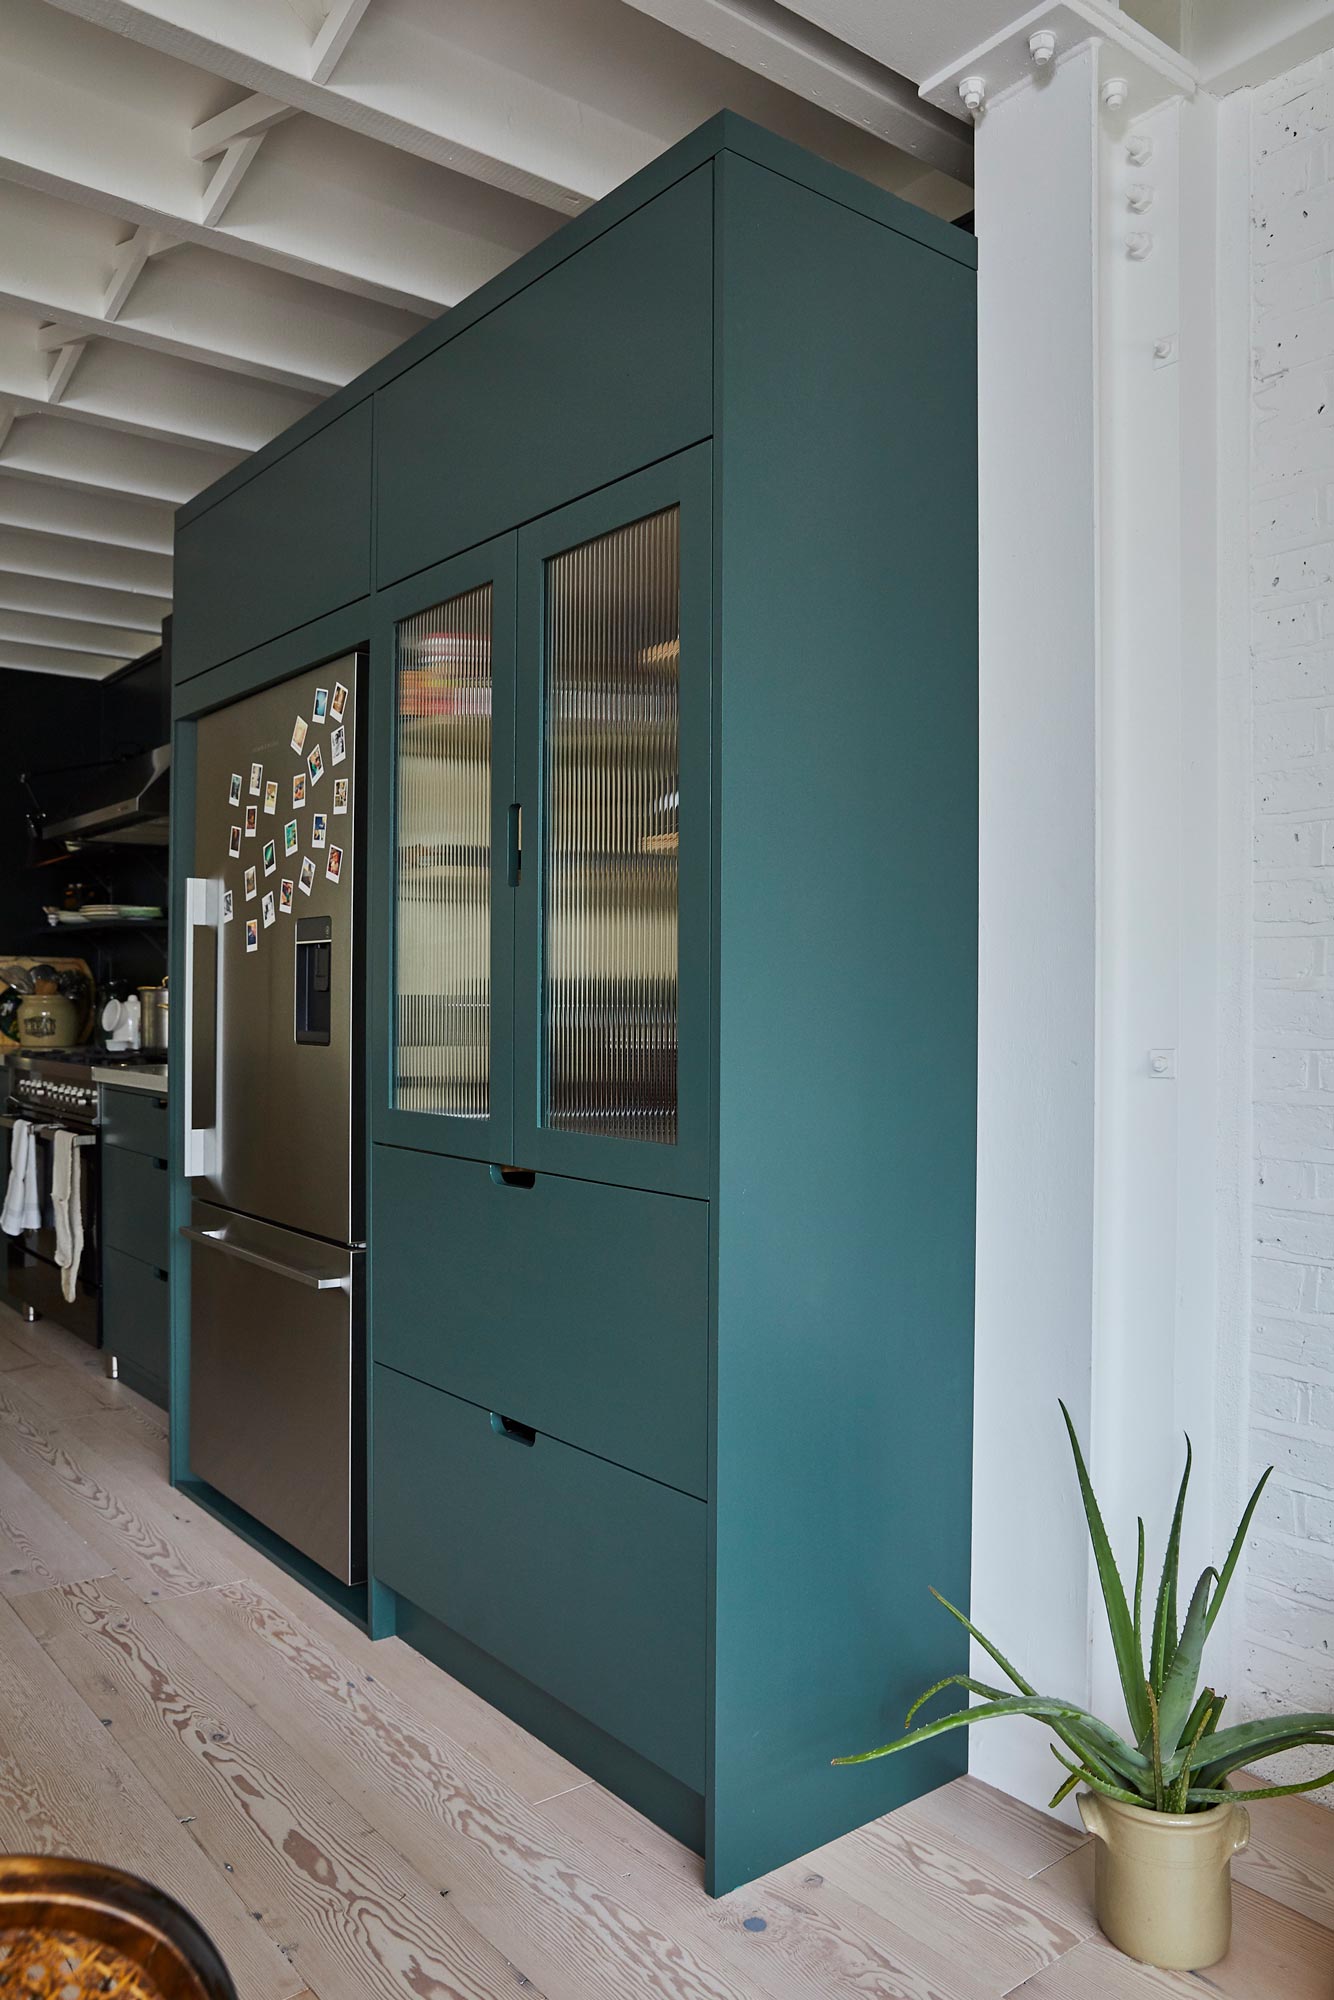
(203, 909)
(514, 846)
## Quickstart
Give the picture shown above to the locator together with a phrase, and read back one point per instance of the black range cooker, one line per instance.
(51, 1090)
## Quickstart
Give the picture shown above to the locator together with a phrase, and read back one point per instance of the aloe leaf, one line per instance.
(1025, 1687)
(1165, 1612)
(1130, 1665)
(1199, 1718)
(1234, 1553)
(1041, 1706)
(1098, 1784)
(985, 1643)
(1232, 1747)
(954, 1680)
(1200, 1795)
(1139, 1592)
(1215, 1768)
(1178, 1694)
(1063, 1791)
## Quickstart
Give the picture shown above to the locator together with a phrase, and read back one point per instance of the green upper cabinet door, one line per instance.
(288, 546)
(612, 930)
(447, 859)
(603, 365)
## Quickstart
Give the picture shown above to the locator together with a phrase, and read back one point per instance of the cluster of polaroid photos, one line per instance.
(265, 790)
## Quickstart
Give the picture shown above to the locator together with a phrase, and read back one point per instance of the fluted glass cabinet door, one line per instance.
(450, 1042)
(613, 918)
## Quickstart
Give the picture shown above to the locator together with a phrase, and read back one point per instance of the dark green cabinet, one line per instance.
(602, 366)
(671, 980)
(136, 1237)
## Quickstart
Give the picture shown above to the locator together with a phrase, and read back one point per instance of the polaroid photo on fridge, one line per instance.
(290, 842)
(226, 906)
(298, 790)
(335, 866)
(340, 795)
(339, 702)
(251, 821)
(234, 790)
(321, 708)
(307, 876)
(270, 859)
(251, 934)
(285, 888)
(299, 733)
(251, 885)
(315, 765)
(319, 827)
(338, 744)
(271, 796)
(234, 842)
(267, 907)
(256, 780)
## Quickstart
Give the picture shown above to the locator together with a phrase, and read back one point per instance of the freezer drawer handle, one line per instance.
(510, 1427)
(317, 1281)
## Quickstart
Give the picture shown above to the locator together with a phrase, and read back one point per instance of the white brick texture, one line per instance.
(1288, 1623)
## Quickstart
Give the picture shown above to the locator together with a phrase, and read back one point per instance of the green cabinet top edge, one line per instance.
(727, 131)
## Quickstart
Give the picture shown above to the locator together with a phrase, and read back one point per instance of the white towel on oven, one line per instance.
(22, 1209)
(68, 1210)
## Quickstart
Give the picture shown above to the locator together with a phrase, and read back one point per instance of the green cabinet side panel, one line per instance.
(847, 920)
(291, 544)
(603, 365)
(135, 1205)
(136, 1321)
(585, 1579)
(582, 1310)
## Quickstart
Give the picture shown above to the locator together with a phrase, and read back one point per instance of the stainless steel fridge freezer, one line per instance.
(273, 1091)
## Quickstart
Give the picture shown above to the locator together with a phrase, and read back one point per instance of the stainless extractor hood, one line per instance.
(133, 807)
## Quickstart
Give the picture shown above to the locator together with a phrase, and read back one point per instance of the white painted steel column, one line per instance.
(1100, 1085)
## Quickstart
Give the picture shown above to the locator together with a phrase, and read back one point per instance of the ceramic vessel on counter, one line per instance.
(1163, 1881)
(47, 1021)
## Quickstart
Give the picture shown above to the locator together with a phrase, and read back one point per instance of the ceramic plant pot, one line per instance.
(1163, 1881)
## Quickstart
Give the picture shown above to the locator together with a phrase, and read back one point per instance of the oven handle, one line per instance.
(316, 1281)
(203, 907)
(10, 1119)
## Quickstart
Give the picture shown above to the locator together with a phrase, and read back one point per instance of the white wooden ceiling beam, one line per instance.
(783, 46)
(96, 517)
(249, 118)
(67, 560)
(57, 449)
(131, 257)
(50, 660)
(85, 603)
(334, 34)
(226, 177)
(64, 361)
(115, 642)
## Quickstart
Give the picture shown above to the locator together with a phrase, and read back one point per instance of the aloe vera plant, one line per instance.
(1175, 1758)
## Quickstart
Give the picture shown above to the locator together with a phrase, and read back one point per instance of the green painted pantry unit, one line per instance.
(660, 553)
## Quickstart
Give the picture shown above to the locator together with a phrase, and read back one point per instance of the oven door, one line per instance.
(31, 1275)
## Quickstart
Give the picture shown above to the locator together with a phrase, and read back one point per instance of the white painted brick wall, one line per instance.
(1288, 1637)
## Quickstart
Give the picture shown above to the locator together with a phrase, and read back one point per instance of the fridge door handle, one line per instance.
(314, 1278)
(203, 903)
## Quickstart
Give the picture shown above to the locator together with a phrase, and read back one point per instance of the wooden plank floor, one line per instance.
(349, 1823)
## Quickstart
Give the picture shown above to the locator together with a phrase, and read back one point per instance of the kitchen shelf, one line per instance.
(106, 924)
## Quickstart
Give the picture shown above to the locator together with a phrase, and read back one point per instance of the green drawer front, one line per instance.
(585, 1579)
(135, 1209)
(136, 1317)
(603, 365)
(580, 1309)
(284, 548)
(136, 1119)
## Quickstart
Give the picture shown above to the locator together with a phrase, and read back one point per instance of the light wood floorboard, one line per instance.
(350, 1824)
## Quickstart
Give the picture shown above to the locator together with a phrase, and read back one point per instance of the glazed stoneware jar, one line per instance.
(47, 1021)
(1163, 1881)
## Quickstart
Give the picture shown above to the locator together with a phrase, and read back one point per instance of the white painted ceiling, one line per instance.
(213, 212)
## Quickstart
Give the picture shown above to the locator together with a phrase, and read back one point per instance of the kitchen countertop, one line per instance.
(134, 1076)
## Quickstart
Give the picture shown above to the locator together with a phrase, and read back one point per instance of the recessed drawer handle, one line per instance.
(515, 1177)
(510, 1427)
